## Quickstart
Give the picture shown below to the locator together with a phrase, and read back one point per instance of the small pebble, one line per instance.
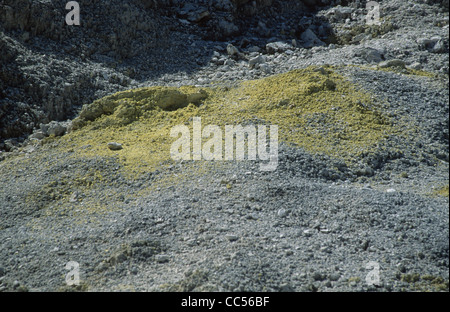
(231, 237)
(282, 213)
(162, 258)
(114, 146)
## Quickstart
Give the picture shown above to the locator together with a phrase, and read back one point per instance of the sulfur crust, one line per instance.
(443, 191)
(315, 108)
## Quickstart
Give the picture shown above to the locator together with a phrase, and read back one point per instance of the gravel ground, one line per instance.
(310, 225)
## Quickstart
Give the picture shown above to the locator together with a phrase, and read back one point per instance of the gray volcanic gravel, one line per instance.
(265, 232)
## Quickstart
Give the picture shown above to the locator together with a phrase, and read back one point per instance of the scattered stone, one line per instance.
(53, 128)
(74, 197)
(229, 62)
(162, 258)
(392, 63)
(286, 287)
(29, 149)
(415, 66)
(38, 135)
(232, 50)
(334, 277)
(439, 47)
(371, 55)
(317, 276)
(434, 44)
(282, 213)
(310, 39)
(425, 43)
(325, 249)
(114, 146)
(277, 47)
(365, 245)
(10, 145)
(231, 237)
(321, 70)
(342, 13)
(256, 60)
(312, 288)
(265, 68)
(198, 16)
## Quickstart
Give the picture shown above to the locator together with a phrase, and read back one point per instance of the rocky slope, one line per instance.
(362, 172)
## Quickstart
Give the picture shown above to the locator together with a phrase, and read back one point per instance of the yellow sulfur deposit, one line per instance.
(443, 191)
(315, 109)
